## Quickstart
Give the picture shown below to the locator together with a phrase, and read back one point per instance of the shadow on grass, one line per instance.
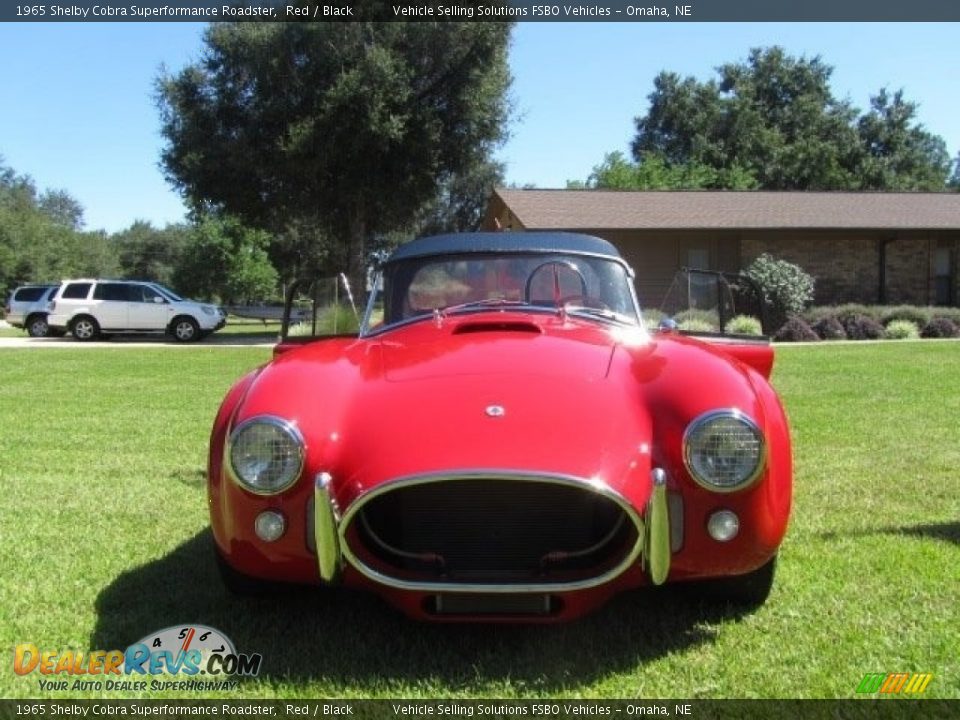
(946, 532)
(351, 638)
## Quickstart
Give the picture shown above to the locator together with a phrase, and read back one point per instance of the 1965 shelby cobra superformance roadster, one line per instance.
(503, 439)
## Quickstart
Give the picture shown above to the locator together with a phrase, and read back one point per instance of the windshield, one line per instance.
(585, 285)
(170, 294)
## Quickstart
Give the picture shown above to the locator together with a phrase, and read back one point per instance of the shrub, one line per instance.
(862, 327)
(902, 330)
(919, 316)
(950, 313)
(795, 330)
(940, 327)
(694, 325)
(785, 286)
(652, 318)
(815, 314)
(710, 317)
(744, 325)
(843, 313)
(829, 328)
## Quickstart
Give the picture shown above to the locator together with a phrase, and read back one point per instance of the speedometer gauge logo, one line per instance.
(183, 638)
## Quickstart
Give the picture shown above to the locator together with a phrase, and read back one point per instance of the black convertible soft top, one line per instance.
(504, 242)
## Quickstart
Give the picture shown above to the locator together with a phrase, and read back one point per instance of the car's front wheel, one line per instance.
(84, 328)
(748, 591)
(185, 329)
(237, 583)
(37, 326)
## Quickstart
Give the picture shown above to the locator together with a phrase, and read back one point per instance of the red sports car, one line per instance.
(503, 439)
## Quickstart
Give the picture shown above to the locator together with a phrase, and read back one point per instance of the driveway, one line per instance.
(134, 341)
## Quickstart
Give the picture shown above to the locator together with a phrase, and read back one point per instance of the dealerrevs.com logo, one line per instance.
(895, 683)
(181, 657)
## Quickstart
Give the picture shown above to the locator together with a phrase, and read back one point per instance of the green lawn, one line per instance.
(103, 539)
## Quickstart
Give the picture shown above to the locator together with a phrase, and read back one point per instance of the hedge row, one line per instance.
(871, 322)
(883, 314)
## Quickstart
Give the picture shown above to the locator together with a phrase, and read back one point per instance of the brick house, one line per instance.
(884, 248)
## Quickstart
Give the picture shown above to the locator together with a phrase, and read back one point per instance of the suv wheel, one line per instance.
(185, 329)
(37, 326)
(84, 328)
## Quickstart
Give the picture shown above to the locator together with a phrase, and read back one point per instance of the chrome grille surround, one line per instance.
(629, 559)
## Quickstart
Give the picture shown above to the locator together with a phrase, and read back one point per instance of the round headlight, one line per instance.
(723, 450)
(266, 454)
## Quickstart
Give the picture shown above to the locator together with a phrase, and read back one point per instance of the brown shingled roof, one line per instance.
(707, 209)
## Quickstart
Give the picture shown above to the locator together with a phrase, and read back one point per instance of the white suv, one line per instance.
(88, 308)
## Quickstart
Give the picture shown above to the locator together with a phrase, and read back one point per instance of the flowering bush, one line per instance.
(785, 286)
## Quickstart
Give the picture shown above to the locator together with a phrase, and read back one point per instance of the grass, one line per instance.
(103, 539)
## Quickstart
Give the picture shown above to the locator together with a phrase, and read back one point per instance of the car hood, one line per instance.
(512, 397)
(485, 347)
(543, 397)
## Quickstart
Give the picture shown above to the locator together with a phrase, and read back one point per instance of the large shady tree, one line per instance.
(330, 135)
(773, 122)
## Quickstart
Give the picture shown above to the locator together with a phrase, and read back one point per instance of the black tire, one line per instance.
(84, 328)
(237, 583)
(748, 591)
(37, 326)
(185, 329)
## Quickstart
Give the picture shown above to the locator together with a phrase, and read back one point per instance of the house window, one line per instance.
(943, 276)
(698, 258)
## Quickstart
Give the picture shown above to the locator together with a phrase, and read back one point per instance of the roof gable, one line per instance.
(710, 209)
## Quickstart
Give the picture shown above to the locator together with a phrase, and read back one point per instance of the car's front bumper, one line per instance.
(648, 564)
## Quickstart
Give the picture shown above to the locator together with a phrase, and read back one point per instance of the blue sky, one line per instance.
(77, 111)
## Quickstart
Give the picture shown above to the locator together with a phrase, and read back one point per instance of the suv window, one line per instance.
(76, 291)
(114, 291)
(145, 293)
(29, 294)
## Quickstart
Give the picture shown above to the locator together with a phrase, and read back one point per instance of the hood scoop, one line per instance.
(489, 326)
(495, 347)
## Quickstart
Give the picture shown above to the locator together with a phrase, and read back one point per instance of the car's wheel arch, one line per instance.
(33, 317)
(172, 327)
(80, 316)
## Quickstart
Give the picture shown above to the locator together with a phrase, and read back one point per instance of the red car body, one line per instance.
(505, 462)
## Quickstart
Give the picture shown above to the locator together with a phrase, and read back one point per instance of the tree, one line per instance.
(653, 172)
(228, 261)
(147, 253)
(773, 118)
(898, 153)
(342, 130)
(62, 208)
(461, 200)
(40, 238)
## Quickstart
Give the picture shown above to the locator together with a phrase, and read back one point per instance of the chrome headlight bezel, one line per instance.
(700, 424)
(290, 430)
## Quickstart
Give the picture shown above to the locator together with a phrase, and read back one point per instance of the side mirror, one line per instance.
(667, 325)
(159, 300)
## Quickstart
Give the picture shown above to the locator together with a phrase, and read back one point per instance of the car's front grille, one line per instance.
(523, 531)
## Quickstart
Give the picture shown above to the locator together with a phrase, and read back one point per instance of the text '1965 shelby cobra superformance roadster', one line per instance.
(502, 439)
